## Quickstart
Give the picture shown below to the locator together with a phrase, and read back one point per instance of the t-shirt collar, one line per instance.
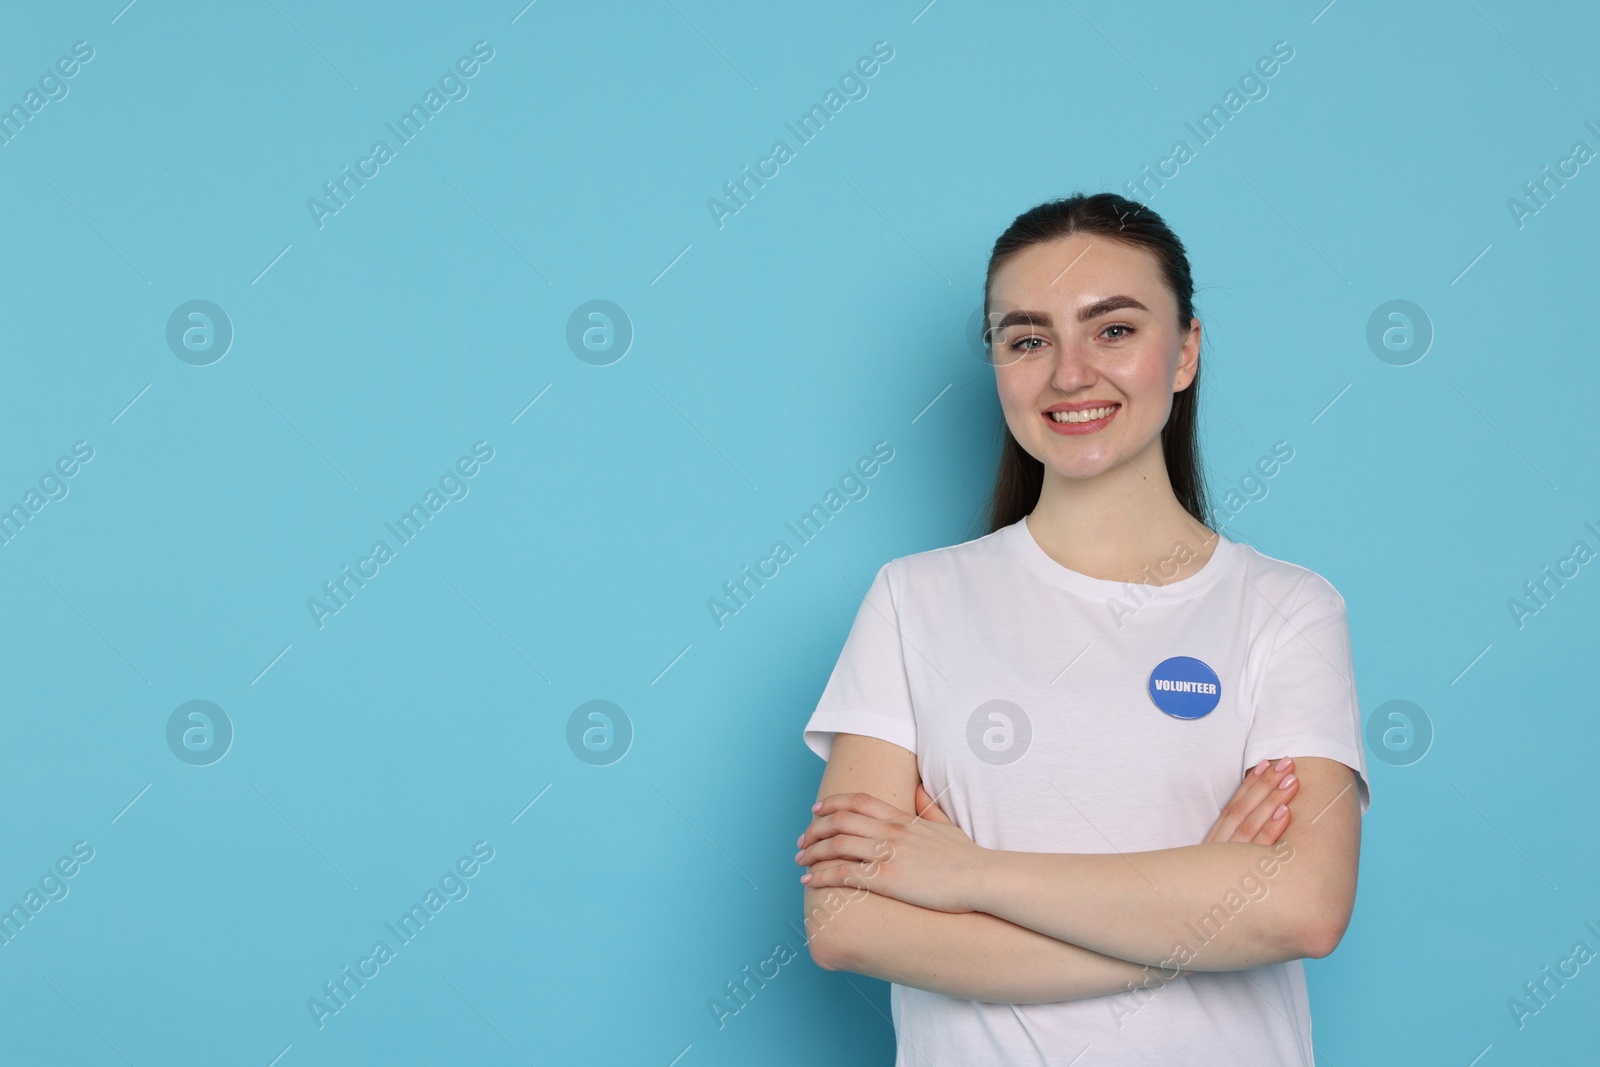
(1021, 543)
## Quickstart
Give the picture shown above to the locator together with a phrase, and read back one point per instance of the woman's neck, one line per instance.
(1125, 525)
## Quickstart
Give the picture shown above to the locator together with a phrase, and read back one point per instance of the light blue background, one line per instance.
(769, 355)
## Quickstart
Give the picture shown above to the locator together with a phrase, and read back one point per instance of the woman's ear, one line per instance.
(1188, 359)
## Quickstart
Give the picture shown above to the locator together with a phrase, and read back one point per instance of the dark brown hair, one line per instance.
(1020, 477)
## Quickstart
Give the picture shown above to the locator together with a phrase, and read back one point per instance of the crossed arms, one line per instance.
(913, 901)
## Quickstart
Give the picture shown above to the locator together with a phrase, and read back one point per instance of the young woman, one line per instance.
(1070, 700)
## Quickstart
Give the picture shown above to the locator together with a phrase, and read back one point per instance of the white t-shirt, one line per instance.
(1033, 698)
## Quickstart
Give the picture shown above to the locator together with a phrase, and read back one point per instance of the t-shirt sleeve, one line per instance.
(1306, 703)
(868, 692)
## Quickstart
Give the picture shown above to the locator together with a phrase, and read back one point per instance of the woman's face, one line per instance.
(1092, 328)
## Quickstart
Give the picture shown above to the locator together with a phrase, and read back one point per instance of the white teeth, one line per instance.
(1087, 415)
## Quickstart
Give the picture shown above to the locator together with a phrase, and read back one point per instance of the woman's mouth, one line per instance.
(1081, 420)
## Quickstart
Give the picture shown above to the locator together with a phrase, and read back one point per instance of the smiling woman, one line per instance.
(1050, 806)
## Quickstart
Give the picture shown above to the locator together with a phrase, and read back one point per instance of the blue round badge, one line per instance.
(1184, 687)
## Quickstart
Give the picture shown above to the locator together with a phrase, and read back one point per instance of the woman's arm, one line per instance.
(972, 955)
(1221, 905)
(1233, 905)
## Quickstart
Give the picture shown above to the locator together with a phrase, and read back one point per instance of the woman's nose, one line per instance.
(1073, 368)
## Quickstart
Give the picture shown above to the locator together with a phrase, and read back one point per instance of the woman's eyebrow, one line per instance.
(1110, 303)
(1091, 311)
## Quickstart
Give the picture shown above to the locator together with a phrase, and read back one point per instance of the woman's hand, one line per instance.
(926, 807)
(933, 860)
(925, 861)
(1252, 815)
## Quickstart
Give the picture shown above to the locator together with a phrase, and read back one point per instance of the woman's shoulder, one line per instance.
(1283, 580)
(964, 557)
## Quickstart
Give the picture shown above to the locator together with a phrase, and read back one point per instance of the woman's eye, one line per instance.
(1021, 344)
(1119, 326)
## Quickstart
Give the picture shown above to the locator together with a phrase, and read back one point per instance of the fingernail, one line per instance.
(797, 855)
(817, 806)
(1262, 767)
(1282, 809)
(1280, 765)
(800, 842)
(805, 877)
(1288, 780)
